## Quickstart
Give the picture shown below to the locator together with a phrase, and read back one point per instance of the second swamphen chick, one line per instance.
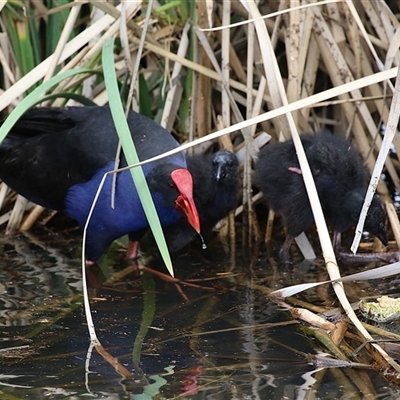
(341, 180)
(56, 157)
(215, 188)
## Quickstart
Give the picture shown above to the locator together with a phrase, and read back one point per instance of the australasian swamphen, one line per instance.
(56, 157)
(341, 180)
(215, 189)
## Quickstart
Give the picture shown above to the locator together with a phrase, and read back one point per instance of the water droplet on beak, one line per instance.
(203, 245)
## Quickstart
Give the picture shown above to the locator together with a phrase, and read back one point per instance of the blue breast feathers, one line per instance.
(108, 223)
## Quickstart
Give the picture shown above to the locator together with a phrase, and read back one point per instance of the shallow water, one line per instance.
(227, 340)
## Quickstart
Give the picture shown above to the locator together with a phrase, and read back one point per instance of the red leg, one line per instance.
(133, 250)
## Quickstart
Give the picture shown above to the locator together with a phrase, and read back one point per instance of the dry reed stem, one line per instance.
(295, 64)
(312, 318)
(354, 40)
(66, 32)
(3, 193)
(270, 226)
(4, 60)
(123, 34)
(174, 95)
(225, 64)
(235, 64)
(131, 102)
(370, 12)
(204, 85)
(392, 55)
(271, 69)
(339, 332)
(309, 78)
(16, 214)
(247, 170)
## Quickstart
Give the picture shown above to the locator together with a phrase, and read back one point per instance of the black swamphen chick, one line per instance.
(56, 157)
(215, 188)
(341, 180)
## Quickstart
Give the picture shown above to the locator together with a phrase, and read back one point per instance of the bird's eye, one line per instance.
(171, 185)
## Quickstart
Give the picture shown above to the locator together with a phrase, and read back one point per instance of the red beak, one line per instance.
(185, 203)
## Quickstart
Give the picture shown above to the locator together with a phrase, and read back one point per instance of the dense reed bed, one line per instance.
(227, 71)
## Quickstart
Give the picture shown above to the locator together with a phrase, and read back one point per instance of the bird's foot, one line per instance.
(284, 252)
(285, 258)
(348, 258)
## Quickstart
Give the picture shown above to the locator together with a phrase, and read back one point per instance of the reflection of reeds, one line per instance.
(264, 65)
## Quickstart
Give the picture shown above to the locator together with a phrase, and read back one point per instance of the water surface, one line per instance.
(222, 340)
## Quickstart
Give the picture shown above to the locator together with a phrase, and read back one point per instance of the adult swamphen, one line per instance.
(341, 180)
(215, 187)
(56, 157)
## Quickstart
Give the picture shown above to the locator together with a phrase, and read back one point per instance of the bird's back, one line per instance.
(50, 150)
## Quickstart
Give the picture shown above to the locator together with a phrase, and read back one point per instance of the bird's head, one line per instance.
(173, 188)
(375, 221)
(225, 166)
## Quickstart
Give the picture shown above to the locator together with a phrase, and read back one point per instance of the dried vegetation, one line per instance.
(321, 65)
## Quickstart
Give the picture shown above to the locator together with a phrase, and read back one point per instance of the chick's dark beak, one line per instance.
(382, 237)
(220, 172)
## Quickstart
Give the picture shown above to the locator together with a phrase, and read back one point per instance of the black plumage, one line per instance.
(341, 180)
(215, 188)
(56, 157)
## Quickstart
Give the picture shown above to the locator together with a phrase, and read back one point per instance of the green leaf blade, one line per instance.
(130, 152)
